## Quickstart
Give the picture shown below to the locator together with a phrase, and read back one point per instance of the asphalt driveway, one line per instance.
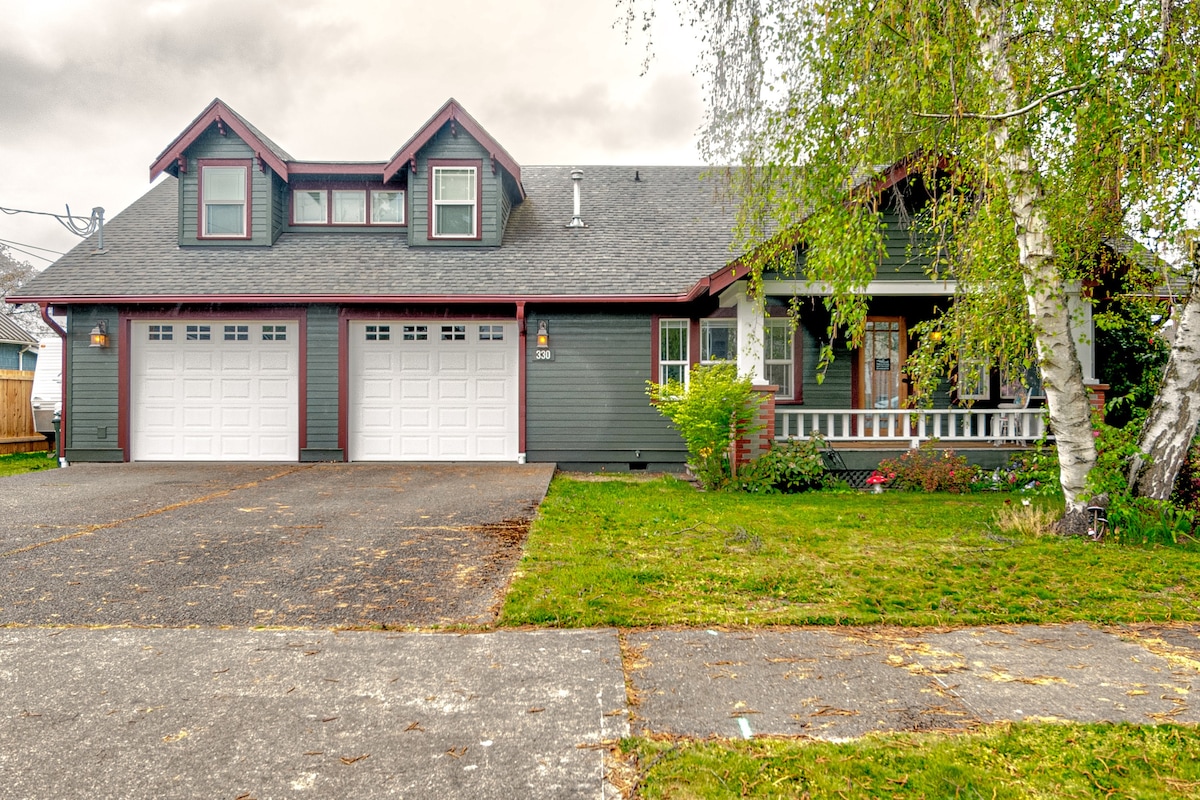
(304, 545)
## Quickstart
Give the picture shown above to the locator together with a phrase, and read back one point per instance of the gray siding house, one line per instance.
(445, 304)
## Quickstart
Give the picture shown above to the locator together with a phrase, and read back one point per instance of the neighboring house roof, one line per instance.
(217, 111)
(12, 333)
(652, 233)
(451, 111)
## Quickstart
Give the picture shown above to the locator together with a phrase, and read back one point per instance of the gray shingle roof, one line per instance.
(656, 236)
(12, 333)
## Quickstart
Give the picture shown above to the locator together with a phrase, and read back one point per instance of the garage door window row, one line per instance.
(203, 333)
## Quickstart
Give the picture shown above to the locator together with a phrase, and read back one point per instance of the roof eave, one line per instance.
(453, 111)
(216, 110)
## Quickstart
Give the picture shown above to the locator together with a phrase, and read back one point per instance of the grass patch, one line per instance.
(16, 463)
(1002, 761)
(658, 553)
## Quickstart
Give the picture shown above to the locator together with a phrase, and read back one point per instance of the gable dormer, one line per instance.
(462, 183)
(232, 180)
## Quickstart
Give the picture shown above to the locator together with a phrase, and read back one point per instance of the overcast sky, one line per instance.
(91, 92)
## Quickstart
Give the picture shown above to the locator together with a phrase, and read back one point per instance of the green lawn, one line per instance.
(17, 463)
(1001, 761)
(659, 553)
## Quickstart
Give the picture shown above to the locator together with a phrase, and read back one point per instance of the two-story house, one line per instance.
(445, 304)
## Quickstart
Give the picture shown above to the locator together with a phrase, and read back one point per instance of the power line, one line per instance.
(15, 249)
(31, 246)
(80, 226)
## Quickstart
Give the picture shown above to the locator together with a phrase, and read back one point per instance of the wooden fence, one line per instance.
(17, 431)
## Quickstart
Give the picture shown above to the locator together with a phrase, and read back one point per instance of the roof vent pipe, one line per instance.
(577, 219)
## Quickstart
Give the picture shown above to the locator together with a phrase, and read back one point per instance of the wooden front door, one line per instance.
(880, 360)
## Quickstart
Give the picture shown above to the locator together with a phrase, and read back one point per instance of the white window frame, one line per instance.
(437, 202)
(666, 364)
(399, 205)
(323, 202)
(706, 328)
(982, 390)
(343, 194)
(243, 201)
(790, 361)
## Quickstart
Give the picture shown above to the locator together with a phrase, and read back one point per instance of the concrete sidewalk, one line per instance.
(840, 683)
(154, 713)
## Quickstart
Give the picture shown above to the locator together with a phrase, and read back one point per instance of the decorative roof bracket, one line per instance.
(221, 129)
(181, 163)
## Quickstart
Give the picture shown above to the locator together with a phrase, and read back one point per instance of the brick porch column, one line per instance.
(1096, 392)
(747, 447)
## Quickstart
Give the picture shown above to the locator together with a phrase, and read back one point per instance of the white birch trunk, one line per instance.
(1062, 376)
(1171, 426)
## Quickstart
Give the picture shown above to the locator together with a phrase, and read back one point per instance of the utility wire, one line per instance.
(15, 249)
(11, 243)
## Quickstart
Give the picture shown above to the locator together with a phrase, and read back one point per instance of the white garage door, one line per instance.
(433, 391)
(215, 390)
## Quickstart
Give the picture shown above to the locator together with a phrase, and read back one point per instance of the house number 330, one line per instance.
(543, 355)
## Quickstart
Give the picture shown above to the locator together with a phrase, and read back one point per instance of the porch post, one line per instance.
(750, 314)
(1085, 335)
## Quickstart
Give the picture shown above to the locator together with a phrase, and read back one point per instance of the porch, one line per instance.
(909, 427)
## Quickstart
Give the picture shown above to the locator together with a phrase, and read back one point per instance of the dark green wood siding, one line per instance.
(907, 251)
(443, 145)
(322, 390)
(94, 411)
(589, 405)
(263, 192)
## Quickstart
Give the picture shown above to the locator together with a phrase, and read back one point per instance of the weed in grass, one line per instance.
(1025, 519)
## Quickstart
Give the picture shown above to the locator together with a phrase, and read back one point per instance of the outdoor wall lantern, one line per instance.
(99, 335)
(543, 336)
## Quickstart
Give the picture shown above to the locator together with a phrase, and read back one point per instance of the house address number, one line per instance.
(543, 354)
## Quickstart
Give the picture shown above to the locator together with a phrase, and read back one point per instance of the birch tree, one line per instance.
(1045, 129)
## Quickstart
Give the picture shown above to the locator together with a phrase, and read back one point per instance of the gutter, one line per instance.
(62, 420)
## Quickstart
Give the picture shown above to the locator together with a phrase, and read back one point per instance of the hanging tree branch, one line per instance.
(1008, 114)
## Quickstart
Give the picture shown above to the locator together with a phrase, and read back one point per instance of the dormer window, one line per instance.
(387, 207)
(347, 205)
(310, 207)
(224, 193)
(454, 200)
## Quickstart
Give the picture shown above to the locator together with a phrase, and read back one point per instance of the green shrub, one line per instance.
(1143, 521)
(928, 469)
(1032, 471)
(795, 465)
(715, 406)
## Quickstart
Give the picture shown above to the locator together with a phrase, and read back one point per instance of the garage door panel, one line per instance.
(454, 391)
(416, 389)
(451, 389)
(274, 388)
(235, 362)
(204, 396)
(416, 419)
(377, 419)
(235, 390)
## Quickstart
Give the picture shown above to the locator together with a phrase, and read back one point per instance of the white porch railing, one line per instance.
(911, 426)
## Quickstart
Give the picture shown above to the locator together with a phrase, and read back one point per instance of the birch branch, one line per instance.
(1008, 114)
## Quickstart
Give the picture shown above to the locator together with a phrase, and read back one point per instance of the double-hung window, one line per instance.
(224, 201)
(673, 350)
(455, 204)
(779, 357)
